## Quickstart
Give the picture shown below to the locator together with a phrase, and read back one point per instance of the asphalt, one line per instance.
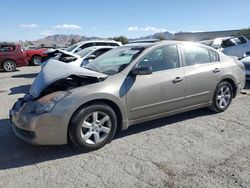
(194, 149)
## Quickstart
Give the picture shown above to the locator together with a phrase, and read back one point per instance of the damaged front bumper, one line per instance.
(40, 129)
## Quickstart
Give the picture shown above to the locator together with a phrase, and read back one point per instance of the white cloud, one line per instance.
(28, 25)
(66, 26)
(94, 28)
(46, 33)
(133, 28)
(147, 29)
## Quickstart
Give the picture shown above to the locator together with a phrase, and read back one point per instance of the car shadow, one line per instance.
(31, 75)
(20, 89)
(3, 71)
(15, 153)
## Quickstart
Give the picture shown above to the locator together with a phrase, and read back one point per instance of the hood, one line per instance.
(57, 70)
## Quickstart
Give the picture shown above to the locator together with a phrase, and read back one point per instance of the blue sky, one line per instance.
(30, 19)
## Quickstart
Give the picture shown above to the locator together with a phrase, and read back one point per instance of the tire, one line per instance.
(9, 65)
(86, 125)
(222, 97)
(36, 60)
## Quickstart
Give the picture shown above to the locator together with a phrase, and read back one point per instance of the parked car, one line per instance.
(246, 62)
(82, 57)
(82, 45)
(125, 86)
(232, 46)
(36, 56)
(12, 56)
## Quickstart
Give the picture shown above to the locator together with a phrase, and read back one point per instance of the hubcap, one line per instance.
(9, 66)
(96, 127)
(223, 97)
(37, 61)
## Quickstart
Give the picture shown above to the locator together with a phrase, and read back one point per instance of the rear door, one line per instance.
(202, 70)
(162, 91)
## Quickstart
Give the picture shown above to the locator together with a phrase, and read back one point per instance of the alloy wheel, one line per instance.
(9, 66)
(223, 97)
(96, 127)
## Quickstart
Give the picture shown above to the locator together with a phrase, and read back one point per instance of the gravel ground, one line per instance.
(194, 149)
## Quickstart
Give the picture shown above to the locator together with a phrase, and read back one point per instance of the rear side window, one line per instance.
(85, 46)
(101, 44)
(113, 44)
(7, 48)
(214, 56)
(195, 55)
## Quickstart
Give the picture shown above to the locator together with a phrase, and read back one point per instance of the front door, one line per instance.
(162, 91)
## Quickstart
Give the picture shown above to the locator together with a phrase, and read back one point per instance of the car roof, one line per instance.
(88, 41)
(150, 44)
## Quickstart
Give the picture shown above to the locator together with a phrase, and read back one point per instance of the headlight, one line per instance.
(47, 103)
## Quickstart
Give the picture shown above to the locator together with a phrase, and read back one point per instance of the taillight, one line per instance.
(240, 64)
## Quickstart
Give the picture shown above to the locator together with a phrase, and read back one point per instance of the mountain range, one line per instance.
(65, 40)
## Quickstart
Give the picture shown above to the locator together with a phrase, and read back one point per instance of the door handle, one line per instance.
(178, 79)
(216, 70)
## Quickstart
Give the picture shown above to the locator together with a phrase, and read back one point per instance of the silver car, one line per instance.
(128, 85)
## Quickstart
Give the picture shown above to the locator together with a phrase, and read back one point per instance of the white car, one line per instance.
(85, 44)
(232, 46)
(81, 58)
(80, 46)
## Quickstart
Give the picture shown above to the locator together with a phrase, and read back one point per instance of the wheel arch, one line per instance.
(108, 102)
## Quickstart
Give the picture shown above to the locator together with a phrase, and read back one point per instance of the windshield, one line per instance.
(115, 60)
(71, 48)
(84, 52)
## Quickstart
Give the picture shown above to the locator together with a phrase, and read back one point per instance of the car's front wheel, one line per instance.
(93, 126)
(222, 97)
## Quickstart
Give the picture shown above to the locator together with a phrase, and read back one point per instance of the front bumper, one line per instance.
(40, 129)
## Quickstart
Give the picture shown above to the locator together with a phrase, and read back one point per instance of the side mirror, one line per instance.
(90, 57)
(142, 71)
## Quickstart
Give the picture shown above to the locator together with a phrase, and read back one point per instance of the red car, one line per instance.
(35, 57)
(12, 56)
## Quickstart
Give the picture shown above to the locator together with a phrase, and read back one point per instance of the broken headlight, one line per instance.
(47, 103)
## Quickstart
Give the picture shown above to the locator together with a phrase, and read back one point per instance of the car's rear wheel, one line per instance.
(222, 97)
(9, 65)
(36, 60)
(93, 126)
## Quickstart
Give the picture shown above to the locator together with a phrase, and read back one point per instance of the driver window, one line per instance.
(163, 58)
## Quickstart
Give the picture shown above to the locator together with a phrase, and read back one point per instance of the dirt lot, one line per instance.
(195, 149)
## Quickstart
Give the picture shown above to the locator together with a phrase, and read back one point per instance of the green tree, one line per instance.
(122, 39)
(72, 41)
(161, 36)
(245, 32)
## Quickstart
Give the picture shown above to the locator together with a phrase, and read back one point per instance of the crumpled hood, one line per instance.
(56, 70)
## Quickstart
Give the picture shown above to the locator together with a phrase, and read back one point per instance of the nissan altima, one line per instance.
(127, 85)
